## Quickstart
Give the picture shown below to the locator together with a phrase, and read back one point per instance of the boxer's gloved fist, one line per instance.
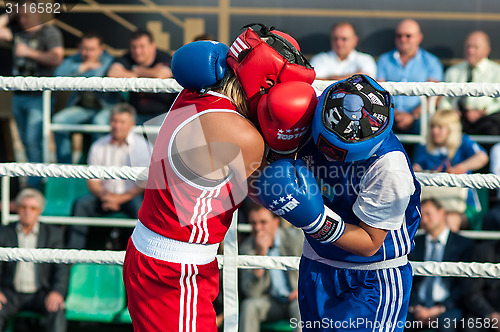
(199, 64)
(289, 189)
(285, 114)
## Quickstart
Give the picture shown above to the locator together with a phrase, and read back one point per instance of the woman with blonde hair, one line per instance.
(449, 150)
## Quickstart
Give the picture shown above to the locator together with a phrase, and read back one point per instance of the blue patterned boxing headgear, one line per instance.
(353, 117)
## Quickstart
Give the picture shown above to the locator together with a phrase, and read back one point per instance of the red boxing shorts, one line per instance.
(170, 297)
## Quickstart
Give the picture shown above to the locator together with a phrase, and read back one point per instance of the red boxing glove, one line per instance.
(285, 114)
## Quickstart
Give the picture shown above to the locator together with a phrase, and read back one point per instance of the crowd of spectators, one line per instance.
(38, 50)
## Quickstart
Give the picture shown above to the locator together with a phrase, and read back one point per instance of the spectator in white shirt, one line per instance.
(343, 60)
(110, 196)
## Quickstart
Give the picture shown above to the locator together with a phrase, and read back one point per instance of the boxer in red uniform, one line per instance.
(207, 147)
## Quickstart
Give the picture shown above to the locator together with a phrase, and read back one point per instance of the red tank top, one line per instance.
(178, 203)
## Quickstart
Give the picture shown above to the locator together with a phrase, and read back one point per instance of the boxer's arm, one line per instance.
(238, 132)
(242, 150)
(362, 240)
(384, 195)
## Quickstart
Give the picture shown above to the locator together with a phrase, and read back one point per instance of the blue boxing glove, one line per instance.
(200, 64)
(289, 189)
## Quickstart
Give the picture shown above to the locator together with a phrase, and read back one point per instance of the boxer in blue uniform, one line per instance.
(353, 192)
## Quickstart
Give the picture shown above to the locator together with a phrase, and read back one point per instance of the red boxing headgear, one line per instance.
(256, 56)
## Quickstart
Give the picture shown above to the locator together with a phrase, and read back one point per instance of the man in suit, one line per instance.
(436, 298)
(480, 115)
(482, 295)
(270, 295)
(28, 286)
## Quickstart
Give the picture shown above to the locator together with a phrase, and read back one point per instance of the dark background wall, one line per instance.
(445, 23)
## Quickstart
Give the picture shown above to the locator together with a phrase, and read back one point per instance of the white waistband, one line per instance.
(391, 263)
(158, 246)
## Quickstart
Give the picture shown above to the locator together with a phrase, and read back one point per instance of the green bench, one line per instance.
(61, 193)
(280, 325)
(96, 293)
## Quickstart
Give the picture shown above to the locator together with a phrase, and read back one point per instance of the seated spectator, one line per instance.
(408, 62)
(29, 286)
(37, 50)
(479, 114)
(343, 60)
(492, 218)
(481, 296)
(270, 295)
(110, 196)
(86, 106)
(144, 60)
(448, 150)
(436, 298)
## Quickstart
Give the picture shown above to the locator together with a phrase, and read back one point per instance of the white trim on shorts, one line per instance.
(160, 247)
(391, 263)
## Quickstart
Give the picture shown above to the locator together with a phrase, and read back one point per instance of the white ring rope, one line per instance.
(110, 84)
(73, 171)
(449, 269)
(71, 256)
(102, 84)
(61, 256)
(478, 181)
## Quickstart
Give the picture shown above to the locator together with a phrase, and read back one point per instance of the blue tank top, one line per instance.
(339, 183)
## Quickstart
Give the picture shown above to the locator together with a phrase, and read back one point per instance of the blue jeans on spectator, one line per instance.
(90, 206)
(27, 109)
(76, 115)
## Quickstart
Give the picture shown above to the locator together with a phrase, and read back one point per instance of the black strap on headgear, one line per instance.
(280, 44)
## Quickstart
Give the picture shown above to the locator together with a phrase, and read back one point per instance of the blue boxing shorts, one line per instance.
(341, 299)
